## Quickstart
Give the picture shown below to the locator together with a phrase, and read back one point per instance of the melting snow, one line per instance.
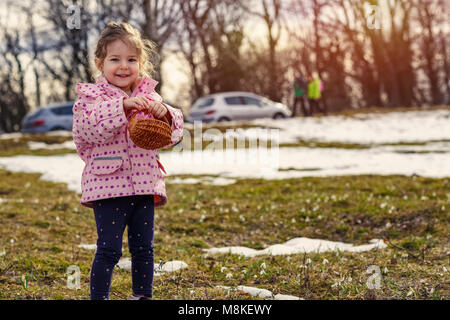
(159, 269)
(300, 245)
(261, 293)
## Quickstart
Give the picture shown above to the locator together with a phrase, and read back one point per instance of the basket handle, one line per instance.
(164, 118)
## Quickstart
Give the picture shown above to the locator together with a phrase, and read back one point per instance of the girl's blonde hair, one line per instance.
(146, 49)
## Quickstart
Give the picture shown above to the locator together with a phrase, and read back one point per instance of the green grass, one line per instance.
(42, 223)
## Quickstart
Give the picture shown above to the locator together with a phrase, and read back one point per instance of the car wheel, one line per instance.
(278, 115)
(223, 119)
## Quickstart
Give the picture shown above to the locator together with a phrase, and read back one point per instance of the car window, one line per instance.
(63, 110)
(38, 113)
(234, 100)
(252, 101)
(203, 103)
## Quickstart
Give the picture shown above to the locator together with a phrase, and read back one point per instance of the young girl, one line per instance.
(121, 182)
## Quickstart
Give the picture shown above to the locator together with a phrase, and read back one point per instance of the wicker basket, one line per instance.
(150, 133)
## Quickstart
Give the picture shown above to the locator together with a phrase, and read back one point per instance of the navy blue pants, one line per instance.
(112, 216)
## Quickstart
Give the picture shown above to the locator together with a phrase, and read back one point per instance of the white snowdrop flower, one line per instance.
(337, 283)
(428, 237)
(229, 276)
(385, 270)
(325, 261)
(405, 255)
(223, 269)
(255, 276)
(423, 198)
(383, 205)
(431, 290)
(307, 200)
(410, 292)
(242, 218)
(405, 197)
(443, 208)
(315, 208)
(202, 218)
(263, 265)
(258, 207)
(57, 218)
(350, 279)
(192, 291)
(388, 225)
(333, 197)
(319, 217)
(293, 220)
(12, 240)
(307, 219)
(180, 210)
(2, 253)
(444, 269)
(262, 272)
(234, 209)
(273, 206)
(244, 271)
(308, 261)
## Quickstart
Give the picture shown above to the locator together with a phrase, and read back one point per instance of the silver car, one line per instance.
(236, 105)
(57, 116)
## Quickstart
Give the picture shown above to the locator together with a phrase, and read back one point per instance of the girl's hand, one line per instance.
(139, 103)
(157, 109)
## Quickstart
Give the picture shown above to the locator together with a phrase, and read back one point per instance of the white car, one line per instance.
(236, 105)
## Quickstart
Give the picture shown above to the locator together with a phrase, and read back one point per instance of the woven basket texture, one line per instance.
(149, 133)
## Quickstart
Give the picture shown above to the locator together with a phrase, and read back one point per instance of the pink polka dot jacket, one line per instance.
(114, 165)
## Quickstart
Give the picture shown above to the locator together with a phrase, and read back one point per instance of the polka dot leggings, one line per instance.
(112, 216)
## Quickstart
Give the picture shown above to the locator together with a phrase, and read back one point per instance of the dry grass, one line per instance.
(42, 224)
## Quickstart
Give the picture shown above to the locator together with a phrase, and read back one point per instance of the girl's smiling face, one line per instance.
(120, 66)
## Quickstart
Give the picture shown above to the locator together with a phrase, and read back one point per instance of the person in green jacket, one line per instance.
(315, 87)
(299, 95)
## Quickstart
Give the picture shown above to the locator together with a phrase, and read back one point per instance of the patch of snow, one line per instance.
(300, 245)
(261, 293)
(205, 180)
(171, 266)
(88, 246)
(33, 145)
(391, 127)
